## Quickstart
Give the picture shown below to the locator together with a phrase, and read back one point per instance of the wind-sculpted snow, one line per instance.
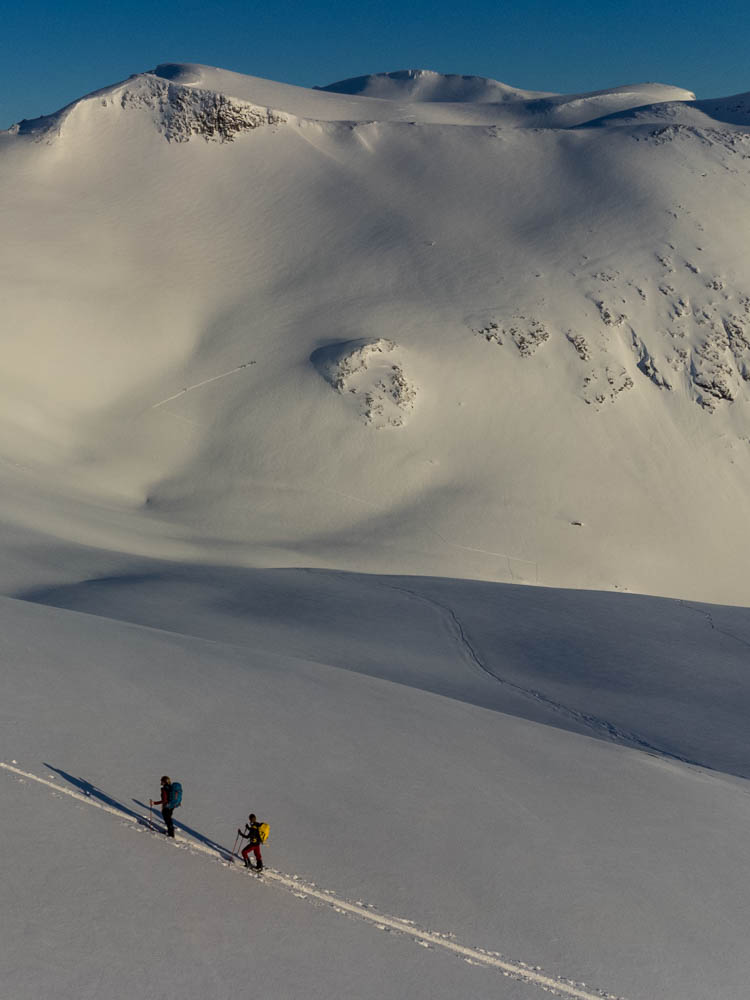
(511, 106)
(702, 115)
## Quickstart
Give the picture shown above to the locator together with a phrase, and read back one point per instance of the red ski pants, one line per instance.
(255, 848)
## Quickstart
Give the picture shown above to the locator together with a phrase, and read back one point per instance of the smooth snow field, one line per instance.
(376, 458)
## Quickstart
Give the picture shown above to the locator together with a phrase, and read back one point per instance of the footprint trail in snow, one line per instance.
(533, 975)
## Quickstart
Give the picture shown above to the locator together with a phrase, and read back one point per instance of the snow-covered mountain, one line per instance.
(536, 338)
(323, 415)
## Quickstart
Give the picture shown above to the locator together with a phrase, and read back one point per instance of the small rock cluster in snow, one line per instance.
(680, 328)
(370, 371)
(184, 112)
(526, 333)
(731, 141)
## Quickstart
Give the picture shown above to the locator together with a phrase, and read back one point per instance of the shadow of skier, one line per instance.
(91, 791)
(224, 852)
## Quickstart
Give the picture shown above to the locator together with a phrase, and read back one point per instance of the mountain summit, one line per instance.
(427, 85)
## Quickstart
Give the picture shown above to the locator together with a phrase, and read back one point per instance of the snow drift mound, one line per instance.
(572, 110)
(427, 85)
(187, 74)
(723, 111)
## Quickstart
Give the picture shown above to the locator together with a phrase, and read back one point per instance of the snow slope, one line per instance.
(563, 400)
(594, 862)
(659, 675)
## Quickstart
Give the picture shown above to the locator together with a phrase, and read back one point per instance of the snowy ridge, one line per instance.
(179, 112)
(517, 970)
(191, 99)
(427, 85)
(183, 112)
(534, 109)
(704, 114)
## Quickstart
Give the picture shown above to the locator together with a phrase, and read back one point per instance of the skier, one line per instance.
(252, 831)
(164, 802)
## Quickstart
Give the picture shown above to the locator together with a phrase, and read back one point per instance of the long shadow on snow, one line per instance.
(91, 791)
(224, 852)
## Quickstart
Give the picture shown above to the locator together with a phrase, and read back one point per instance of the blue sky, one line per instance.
(56, 52)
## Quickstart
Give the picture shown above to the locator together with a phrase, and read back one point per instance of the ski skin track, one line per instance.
(517, 971)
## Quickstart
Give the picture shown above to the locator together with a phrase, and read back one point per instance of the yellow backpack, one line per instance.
(263, 830)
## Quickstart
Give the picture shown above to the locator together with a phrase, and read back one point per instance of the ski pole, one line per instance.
(234, 849)
(150, 814)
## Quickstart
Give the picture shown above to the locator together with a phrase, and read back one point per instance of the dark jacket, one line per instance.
(253, 832)
(166, 797)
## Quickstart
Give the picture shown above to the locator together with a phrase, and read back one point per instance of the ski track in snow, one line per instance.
(712, 624)
(488, 552)
(520, 971)
(197, 385)
(602, 727)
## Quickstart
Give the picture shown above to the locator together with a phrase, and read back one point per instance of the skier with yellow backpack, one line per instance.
(256, 833)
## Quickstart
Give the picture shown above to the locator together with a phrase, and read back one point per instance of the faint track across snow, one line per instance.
(197, 385)
(593, 723)
(519, 971)
(712, 624)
